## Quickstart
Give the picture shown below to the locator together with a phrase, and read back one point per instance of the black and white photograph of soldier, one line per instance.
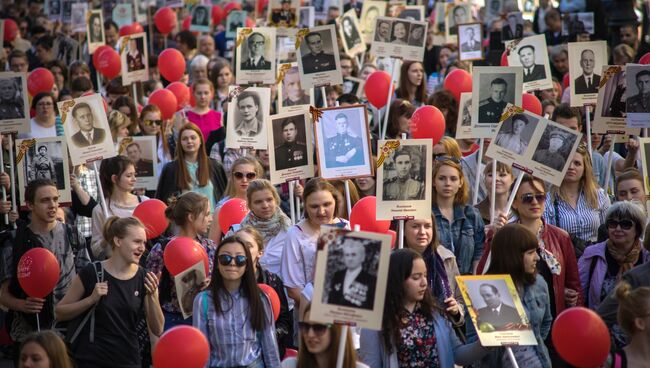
(45, 161)
(638, 89)
(513, 28)
(135, 153)
(83, 122)
(458, 15)
(201, 16)
(554, 147)
(383, 31)
(351, 35)
(317, 52)
(254, 52)
(416, 35)
(345, 148)
(404, 174)
(515, 133)
(292, 92)
(12, 105)
(236, 19)
(500, 92)
(95, 28)
(290, 142)
(248, 115)
(284, 16)
(469, 41)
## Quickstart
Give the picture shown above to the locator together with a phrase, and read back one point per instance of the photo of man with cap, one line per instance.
(641, 101)
(551, 156)
(285, 16)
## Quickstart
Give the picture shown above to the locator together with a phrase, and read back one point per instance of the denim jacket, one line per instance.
(464, 236)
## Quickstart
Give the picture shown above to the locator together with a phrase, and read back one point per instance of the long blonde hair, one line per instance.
(587, 183)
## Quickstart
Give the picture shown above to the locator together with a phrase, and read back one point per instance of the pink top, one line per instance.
(207, 122)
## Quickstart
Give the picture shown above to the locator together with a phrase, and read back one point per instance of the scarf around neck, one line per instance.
(268, 228)
(627, 260)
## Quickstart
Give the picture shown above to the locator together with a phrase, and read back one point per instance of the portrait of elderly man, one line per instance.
(532, 71)
(256, 43)
(588, 81)
(641, 101)
(353, 286)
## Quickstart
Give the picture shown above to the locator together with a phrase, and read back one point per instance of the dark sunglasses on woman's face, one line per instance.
(444, 157)
(319, 329)
(528, 198)
(239, 175)
(226, 260)
(624, 224)
(152, 122)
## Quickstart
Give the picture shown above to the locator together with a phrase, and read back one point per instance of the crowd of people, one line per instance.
(564, 246)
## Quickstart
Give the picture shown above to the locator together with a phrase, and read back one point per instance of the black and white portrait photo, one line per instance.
(307, 17)
(318, 57)
(44, 158)
(574, 24)
(614, 100)
(350, 34)
(53, 9)
(515, 133)
(66, 10)
(88, 133)
(417, 35)
(78, 18)
(494, 8)
(411, 12)
(142, 151)
(369, 13)
(493, 88)
(189, 283)
(459, 14)
(95, 30)
(494, 305)
(513, 28)
(586, 60)
(236, 19)
(354, 86)
(400, 33)
(14, 107)
(383, 31)
(291, 95)
(399, 38)
(134, 56)
(638, 89)
(253, 50)
(609, 114)
(283, 13)
(201, 18)
(291, 156)
(247, 114)
(464, 121)
(530, 53)
(554, 147)
(256, 56)
(469, 41)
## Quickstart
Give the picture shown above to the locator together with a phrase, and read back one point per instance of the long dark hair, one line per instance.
(112, 166)
(249, 288)
(403, 92)
(401, 266)
(508, 248)
(183, 177)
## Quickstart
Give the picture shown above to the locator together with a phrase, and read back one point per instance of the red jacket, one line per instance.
(558, 242)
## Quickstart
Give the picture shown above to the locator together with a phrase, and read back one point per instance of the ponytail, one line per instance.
(632, 304)
(118, 227)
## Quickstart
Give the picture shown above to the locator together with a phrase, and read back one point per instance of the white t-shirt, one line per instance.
(272, 258)
(292, 362)
(38, 131)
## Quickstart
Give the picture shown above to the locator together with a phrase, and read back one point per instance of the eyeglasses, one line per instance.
(152, 122)
(318, 328)
(226, 260)
(444, 157)
(528, 198)
(249, 175)
(624, 224)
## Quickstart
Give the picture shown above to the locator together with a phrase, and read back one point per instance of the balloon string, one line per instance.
(38, 323)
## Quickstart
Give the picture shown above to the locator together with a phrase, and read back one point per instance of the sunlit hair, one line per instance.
(632, 304)
(537, 183)
(188, 203)
(462, 197)
(451, 147)
(119, 227)
(54, 347)
(261, 184)
(231, 187)
(501, 168)
(587, 183)
(183, 177)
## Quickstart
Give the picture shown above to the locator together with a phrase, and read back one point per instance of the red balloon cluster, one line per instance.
(231, 213)
(364, 214)
(10, 30)
(531, 103)
(40, 80)
(217, 14)
(182, 253)
(171, 64)
(428, 122)
(273, 297)
(152, 214)
(181, 346)
(38, 272)
(250, 22)
(182, 93)
(581, 337)
(377, 88)
(165, 20)
(457, 82)
(108, 62)
(166, 102)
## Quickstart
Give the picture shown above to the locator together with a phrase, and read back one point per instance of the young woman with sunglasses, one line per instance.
(414, 332)
(459, 225)
(602, 265)
(151, 123)
(190, 213)
(234, 314)
(201, 114)
(319, 346)
(192, 170)
(243, 171)
(629, 187)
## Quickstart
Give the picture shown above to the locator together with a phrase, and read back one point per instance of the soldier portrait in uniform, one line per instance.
(141, 150)
(46, 158)
(638, 82)
(513, 28)
(236, 19)
(353, 285)
(511, 135)
(469, 41)
(291, 92)
(319, 58)
(491, 108)
(345, 147)
(493, 88)
(253, 53)
(134, 58)
(42, 166)
(12, 101)
(404, 184)
(458, 15)
(143, 166)
(133, 55)
(291, 150)
(554, 147)
(586, 60)
(283, 15)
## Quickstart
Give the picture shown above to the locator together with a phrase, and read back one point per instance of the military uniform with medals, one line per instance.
(318, 63)
(340, 145)
(289, 155)
(638, 103)
(490, 111)
(11, 110)
(397, 189)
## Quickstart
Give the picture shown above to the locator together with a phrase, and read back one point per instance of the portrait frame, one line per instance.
(367, 26)
(492, 13)
(231, 26)
(147, 171)
(610, 112)
(283, 93)
(135, 68)
(404, 49)
(328, 144)
(412, 12)
(412, 198)
(439, 23)
(198, 270)
(537, 44)
(307, 17)
(507, 33)
(576, 23)
(310, 73)
(464, 121)
(19, 121)
(102, 146)
(54, 9)
(248, 73)
(27, 169)
(354, 86)
(66, 10)
(350, 47)
(451, 27)
(470, 53)
(330, 302)
(255, 140)
(122, 14)
(281, 174)
(581, 94)
(195, 25)
(484, 107)
(637, 115)
(78, 17)
(93, 42)
(522, 335)
(275, 16)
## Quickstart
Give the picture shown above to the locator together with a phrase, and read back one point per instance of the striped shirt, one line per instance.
(233, 341)
(582, 221)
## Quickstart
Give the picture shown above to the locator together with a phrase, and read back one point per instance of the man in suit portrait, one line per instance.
(532, 71)
(459, 17)
(513, 29)
(383, 32)
(353, 287)
(290, 153)
(143, 167)
(236, 20)
(285, 16)
(496, 313)
(88, 134)
(641, 101)
(256, 42)
(587, 82)
(248, 105)
(471, 44)
(317, 60)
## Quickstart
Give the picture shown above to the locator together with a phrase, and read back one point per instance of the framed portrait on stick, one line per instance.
(291, 150)
(248, 112)
(637, 90)
(362, 257)
(14, 105)
(189, 283)
(399, 38)
(369, 13)
(530, 53)
(43, 158)
(586, 60)
(318, 57)
(493, 88)
(201, 18)
(134, 56)
(464, 120)
(283, 13)
(255, 49)
(610, 112)
(236, 19)
(79, 18)
(469, 41)
(291, 95)
(95, 30)
(411, 12)
(404, 179)
(342, 142)
(457, 14)
(142, 151)
(351, 36)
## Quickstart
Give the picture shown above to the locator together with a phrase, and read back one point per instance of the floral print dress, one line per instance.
(417, 345)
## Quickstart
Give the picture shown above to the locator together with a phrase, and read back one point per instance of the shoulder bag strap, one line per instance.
(99, 274)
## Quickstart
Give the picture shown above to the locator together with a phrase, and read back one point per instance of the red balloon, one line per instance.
(376, 88)
(10, 30)
(152, 214)
(126, 30)
(181, 346)
(504, 59)
(289, 353)
(273, 298)
(581, 337)
(566, 81)
(217, 14)
(165, 20)
(233, 5)
(428, 122)
(261, 4)
(231, 213)
(171, 64)
(393, 236)
(249, 22)
(364, 214)
(182, 253)
(109, 63)
(457, 82)
(531, 103)
(645, 59)
(182, 93)
(97, 52)
(40, 80)
(38, 272)
(166, 102)
(187, 22)
(137, 27)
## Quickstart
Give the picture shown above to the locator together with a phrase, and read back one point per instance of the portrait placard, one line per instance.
(14, 105)
(86, 129)
(637, 92)
(142, 151)
(66, 11)
(248, 112)
(291, 154)
(283, 13)
(343, 142)
(644, 145)
(354, 86)
(141, 8)
(291, 95)
(464, 122)
(469, 41)
(78, 19)
(369, 13)
(439, 23)
(530, 53)
(577, 23)
(255, 56)
(536, 145)
(43, 158)
(236, 19)
(307, 17)
(53, 9)
(285, 47)
(361, 301)
(201, 18)
(493, 88)
(318, 58)
(411, 12)
(494, 10)
(483, 295)
(457, 14)
(122, 14)
(95, 30)
(609, 115)
(585, 60)
(513, 28)
(134, 56)
(399, 38)
(188, 284)
(350, 34)
(404, 179)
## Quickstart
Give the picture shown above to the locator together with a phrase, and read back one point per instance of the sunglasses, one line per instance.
(624, 224)
(528, 198)
(226, 260)
(152, 122)
(444, 157)
(319, 329)
(249, 175)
